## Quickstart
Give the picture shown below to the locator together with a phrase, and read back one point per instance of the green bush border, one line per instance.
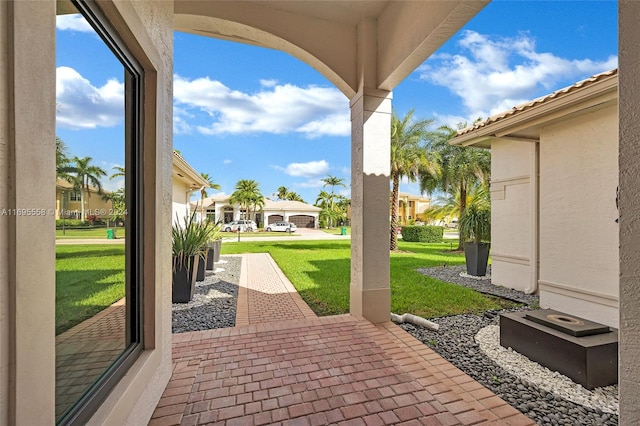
(422, 234)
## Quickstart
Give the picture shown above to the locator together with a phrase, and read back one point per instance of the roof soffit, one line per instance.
(324, 34)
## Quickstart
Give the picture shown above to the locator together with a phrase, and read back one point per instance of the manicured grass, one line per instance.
(337, 231)
(91, 233)
(320, 271)
(89, 278)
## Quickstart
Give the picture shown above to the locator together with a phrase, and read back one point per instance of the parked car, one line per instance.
(281, 227)
(242, 225)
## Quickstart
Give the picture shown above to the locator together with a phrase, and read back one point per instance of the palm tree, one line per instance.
(119, 172)
(332, 181)
(86, 176)
(283, 194)
(247, 194)
(447, 206)
(462, 168)
(294, 196)
(63, 168)
(203, 191)
(408, 159)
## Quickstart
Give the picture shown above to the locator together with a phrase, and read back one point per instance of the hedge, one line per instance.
(423, 234)
(77, 223)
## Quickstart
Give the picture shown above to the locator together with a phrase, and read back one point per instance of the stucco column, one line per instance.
(370, 156)
(27, 181)
(629, 206)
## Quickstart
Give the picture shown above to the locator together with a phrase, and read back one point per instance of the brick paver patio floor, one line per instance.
(283, 365)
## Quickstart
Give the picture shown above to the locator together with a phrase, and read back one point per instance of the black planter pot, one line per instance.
(210, 261)
(184, 278)
(477, 257)
(217, 245)
(202, 263)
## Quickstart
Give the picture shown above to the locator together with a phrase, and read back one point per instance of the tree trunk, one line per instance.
(463, 206)
(394, 213)
(83, 216)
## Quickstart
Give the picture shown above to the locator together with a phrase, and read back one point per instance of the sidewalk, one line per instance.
(282, 365)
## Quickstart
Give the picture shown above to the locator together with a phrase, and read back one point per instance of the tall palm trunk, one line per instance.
(463, 206)
(83, 216)
(394, 212)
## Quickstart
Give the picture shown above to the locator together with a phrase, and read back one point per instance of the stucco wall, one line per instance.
(578, 232)
(629, 160)
(179, 201)
(511, 211)
(148, 32)
(4, 225)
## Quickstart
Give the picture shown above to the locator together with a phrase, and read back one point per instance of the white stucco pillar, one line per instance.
(629, 206)
(370, 156)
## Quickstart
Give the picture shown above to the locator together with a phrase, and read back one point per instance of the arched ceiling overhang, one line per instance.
(326, 34)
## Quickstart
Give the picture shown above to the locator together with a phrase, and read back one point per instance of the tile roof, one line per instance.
(544, 99)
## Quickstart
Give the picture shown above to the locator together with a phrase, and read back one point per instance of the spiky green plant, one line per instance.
(475, 223)
(189, 238)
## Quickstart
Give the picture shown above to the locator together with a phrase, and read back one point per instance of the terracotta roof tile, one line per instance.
(530, 104)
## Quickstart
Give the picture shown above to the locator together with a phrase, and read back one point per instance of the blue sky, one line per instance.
(243, 112)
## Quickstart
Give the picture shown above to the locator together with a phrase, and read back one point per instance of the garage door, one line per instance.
(303, 221)
(275, 218)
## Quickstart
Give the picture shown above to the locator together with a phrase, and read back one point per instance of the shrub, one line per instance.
(422, 234)
(68, 223)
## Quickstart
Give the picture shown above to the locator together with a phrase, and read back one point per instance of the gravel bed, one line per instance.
(457, 275)
(214, 300)
(456, 341)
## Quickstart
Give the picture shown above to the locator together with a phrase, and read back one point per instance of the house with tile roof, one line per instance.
(219, 209)
(554, 180)
(185, 181)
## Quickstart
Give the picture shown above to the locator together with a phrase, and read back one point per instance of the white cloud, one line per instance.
(278, 109)
(268, 83)
(493, 74)
(311, 169)
(113, 185)
(311, 183)
(452, 120)
(74, 22)
(227, 161)
(81, 105)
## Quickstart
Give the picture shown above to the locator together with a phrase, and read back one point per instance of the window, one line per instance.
(98, 303)
(410, 203)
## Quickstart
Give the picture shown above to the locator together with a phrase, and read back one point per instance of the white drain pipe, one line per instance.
(415, 320)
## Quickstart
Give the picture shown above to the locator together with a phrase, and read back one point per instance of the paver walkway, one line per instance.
(283, 365)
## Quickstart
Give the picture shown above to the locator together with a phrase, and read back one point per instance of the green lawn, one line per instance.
(337, 231)
(320, 272)
(87, 233)
(89, 278)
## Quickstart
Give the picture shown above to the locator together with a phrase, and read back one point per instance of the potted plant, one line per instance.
(475, 230)
(188, 239)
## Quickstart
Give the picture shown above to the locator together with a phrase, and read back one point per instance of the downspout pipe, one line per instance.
(535, 218)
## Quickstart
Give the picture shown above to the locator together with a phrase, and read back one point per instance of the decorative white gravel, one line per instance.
(475, 277)
(604, 398)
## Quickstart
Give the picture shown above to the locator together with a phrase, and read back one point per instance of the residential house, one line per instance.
(554, 183)
(185, 181)
(219, 209)
(411, 207)
(364, 48)
(69, 202)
